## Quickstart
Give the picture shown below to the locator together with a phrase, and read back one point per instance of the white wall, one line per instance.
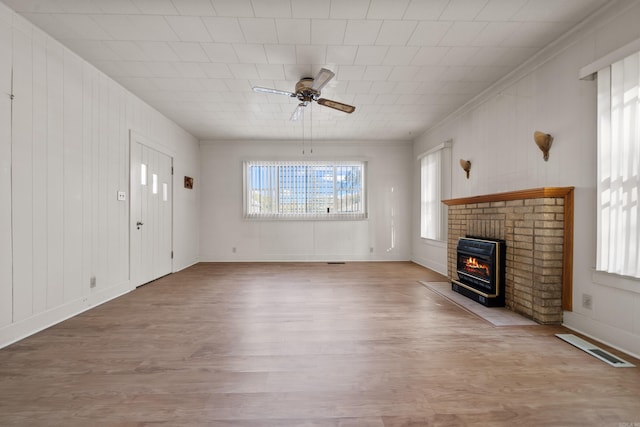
(223, 227)
(63, 157)
(496, 134)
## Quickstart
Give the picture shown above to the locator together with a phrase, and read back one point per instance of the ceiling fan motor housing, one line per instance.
(304, 92)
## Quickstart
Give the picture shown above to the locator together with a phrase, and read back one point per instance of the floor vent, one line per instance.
(336, 262)
(595, 351)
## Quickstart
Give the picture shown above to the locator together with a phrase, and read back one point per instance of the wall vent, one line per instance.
(595, 351)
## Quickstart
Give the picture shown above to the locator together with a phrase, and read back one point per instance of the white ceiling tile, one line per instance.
(317, 9)
(403, 73)
(553, 11)
(294, 31)
(280, 54)
(51, 25)
(311, 54)
(328, 32)
(216, 70)
(241, 86)
(190, 52)
(82, 25)
(431, 73)
(224, 30)
(371, 55)
(358, 86)
(377, 72)
(458, 55)
(92, 50)
(118, 7)
(387, 9)
(341, 54)
(194, 7)
(495, 33)
(244, 71)
(156, 7)
(158, 51)
(352, 9)
(398, 55)
(429, 33)
(272, 8)
(250, 53)
(135, 69)
(163, 69)
(425, 10)
(295, 72)
(189, 28)
(259, 30)
(350, 72)
(430, 55)
(270, 71)
(235, 8)
(139, 84)
(213, 84)
(395, 33)
(136, 27)
(462, 33)
(34, 6)
(220, 52)
(189, 70)
(128, 51)
(382, 87)
(500, 10)
(362, 32)
(462, 10)
(178, 85)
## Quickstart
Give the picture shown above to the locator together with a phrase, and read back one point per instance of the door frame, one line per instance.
(137, 137)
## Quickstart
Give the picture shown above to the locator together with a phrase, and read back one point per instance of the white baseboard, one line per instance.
(619, 339)
(41, 321)
(437, 267)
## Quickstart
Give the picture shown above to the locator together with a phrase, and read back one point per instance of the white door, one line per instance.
(151, 212)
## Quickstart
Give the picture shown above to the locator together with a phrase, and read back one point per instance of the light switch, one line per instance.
(122, 196)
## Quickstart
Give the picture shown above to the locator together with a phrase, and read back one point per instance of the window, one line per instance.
(619, 167)
(305, 190)
(432, 190)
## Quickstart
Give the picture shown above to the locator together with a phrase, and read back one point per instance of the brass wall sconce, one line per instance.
(543, 141)
(466, 166)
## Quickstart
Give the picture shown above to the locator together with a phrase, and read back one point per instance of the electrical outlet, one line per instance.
(587, 301)
(233, 250)
(371, 250)
(92, 282)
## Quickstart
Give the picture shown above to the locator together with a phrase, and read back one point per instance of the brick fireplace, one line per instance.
(537, 227)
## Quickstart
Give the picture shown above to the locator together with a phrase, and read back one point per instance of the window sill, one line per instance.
(436, 243)
(611, 280)
(332, 217)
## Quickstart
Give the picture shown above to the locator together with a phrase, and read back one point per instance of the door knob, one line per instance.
(138, 224)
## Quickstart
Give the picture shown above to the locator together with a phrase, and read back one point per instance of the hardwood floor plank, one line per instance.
(305, 344)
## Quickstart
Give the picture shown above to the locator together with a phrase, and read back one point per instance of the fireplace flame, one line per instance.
(473, 264)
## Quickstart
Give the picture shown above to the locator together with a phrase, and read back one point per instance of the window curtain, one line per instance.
(618, 243)
(430, 187)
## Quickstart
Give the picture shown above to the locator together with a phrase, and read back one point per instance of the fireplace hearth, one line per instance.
(481, 270)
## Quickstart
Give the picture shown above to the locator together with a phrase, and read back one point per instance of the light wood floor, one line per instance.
(305, 344)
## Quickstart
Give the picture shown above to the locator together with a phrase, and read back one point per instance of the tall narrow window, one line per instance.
(432, 211)
(298, 190)
(154, 183)
(619, 167)
(143, 174)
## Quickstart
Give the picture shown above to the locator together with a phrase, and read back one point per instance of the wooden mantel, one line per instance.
(545, 192)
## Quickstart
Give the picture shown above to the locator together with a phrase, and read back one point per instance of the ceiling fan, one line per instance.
(307, 90)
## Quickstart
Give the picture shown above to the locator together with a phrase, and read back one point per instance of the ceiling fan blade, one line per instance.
(337, 105)
(298, 112)
(322, 78)
(275, 91)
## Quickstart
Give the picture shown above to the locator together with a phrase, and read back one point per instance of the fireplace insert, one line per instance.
(480, 266)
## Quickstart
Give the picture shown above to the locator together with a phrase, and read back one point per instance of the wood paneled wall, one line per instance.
(64, 155)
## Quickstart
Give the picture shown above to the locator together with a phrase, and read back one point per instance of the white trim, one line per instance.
(587, 72)
(617, 338)
(447, 144)
(610, 280)
(20, 330)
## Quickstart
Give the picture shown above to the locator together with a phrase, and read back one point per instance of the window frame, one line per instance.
(314, 216)
(444, 190)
